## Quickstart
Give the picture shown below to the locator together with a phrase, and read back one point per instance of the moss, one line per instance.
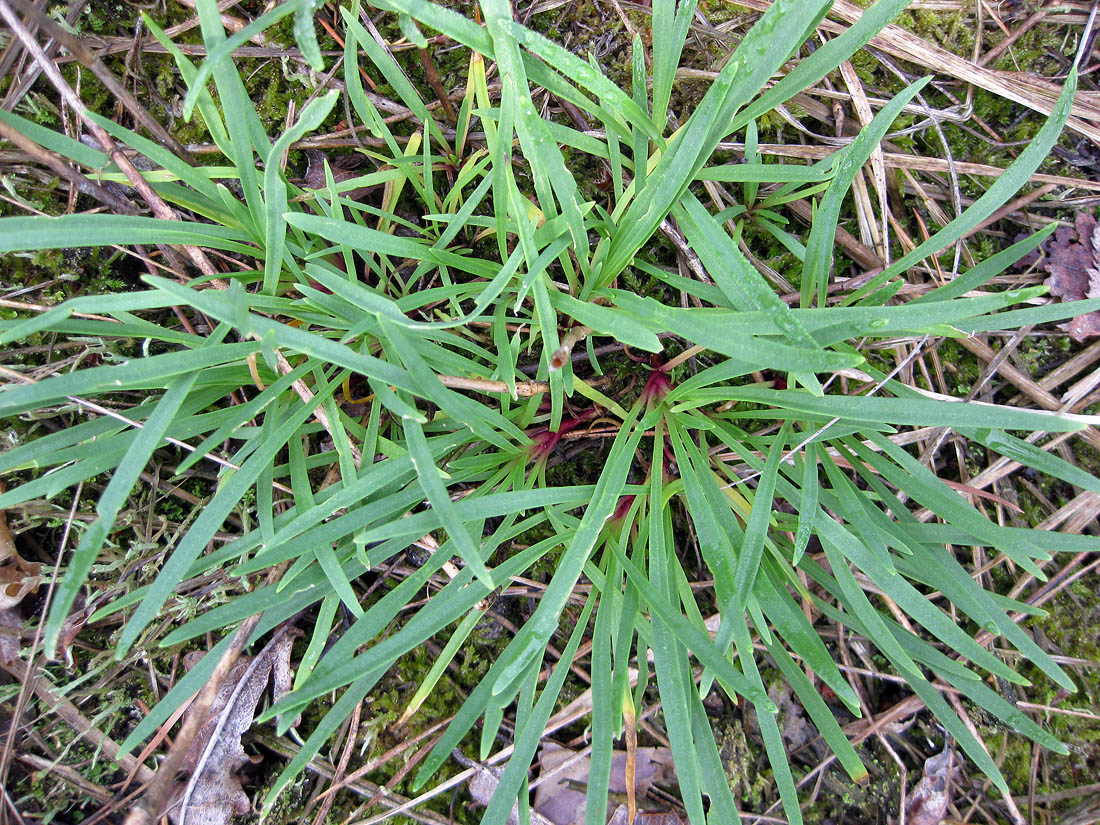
(741, 762)
(1069, 631)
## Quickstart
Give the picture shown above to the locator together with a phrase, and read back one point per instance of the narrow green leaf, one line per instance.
(530, 643)
(441, 502)
(111, 502)
(819, 247)
(275, 203)
(999, 191)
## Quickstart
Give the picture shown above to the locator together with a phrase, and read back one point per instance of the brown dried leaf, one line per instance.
(214, 793)
(1071, 257)
(561, 798)
(928, 804)
(17, 577)
(622, 817)
(1083, 327)
(1074, 267)
(344, 167)
(11, 624)
(484, 783)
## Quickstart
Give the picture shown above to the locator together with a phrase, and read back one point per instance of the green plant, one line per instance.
(323, 298)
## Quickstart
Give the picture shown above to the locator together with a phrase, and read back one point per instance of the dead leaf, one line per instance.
(72, 626)
(797, 730)
(1074, 265)
(214, 793)
(622, 817)
(561, 798)
(11, 624)
(483, 784)
(344, 167)
(1084, 155)
(17, 577)
(928, 804)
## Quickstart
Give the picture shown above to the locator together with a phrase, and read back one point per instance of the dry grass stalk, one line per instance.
(1034, 93)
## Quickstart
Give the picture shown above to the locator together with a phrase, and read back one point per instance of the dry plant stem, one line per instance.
(574, 711)
(935, 442)
(25, 685)
(677, 360)
(117, 416)
(1069, 793)
(630, 724)
(376, 763)
(157, 740)
(234, 24)
(1037, 94)
(892, 159)
(1075, 516)
(159, 207)
(67, 775)
(306, 394)
(72, 716)
(563, 354)
(78, 49)
(964, 717)
(1021, 30)
(524, 389)
(395, 802)
(913, 163)
(671, 231)
(878, 165)
(403, 771)
(21, 84)
(64, 171)
(341, 767)
(432, 76)
(25, 307)
(858, 251)
(151, 807)
(1020, 379)
(1015, 206)
(300, 387)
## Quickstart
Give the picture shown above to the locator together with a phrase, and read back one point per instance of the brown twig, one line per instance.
(68, 775)
(432, 76)
(362, 787)
(1012, 37)
(374, 764)
(21, 85)
(1022, 380)
(64, 171)
(156, 203)
(524, 389)
(25, 679)
(341, 766)
(1038, 94)
(78, 49)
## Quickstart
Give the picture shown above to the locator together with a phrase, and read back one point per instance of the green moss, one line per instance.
(741, 762)
(1069, 631)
